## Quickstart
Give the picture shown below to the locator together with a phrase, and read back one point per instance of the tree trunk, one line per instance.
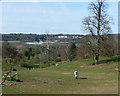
(98, 32)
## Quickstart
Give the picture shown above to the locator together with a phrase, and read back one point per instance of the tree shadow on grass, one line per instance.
(84, 78)
(115, 58)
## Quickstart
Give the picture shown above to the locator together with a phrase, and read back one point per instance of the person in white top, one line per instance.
(76, 74)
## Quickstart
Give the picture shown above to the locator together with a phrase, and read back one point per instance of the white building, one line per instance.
(62, 36)
(34, 42)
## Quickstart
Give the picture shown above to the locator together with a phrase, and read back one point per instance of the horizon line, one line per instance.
(51, 33)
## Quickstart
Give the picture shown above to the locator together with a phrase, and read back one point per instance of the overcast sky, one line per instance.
(51, 17)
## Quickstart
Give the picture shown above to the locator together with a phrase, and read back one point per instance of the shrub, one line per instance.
(35, 66)
(24, 65)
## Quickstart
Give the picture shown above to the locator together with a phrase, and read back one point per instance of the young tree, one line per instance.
(98, 23)
(48, 49)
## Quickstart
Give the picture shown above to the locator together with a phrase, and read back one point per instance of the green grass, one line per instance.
(6, 66)
(11, 79)
(97, 79)
(105, 60)
(16, 43)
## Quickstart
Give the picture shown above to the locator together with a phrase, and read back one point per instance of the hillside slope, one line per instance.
(98, 79)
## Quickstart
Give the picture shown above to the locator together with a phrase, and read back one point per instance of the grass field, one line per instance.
(97, 79)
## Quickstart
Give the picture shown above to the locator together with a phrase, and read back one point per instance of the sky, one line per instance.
(49, 17)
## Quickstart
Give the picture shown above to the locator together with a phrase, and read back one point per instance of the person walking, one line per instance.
(76, 74)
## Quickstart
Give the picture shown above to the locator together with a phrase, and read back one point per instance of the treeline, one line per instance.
(86, 48)
(29, 55)
(37, 38)
(32, 55)
(23, 37)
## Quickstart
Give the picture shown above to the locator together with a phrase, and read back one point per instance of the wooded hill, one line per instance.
(43, 37)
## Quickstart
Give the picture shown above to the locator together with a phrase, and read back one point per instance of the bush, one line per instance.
(35, 66)
(24, 65)
(52, 63)
(44, 65)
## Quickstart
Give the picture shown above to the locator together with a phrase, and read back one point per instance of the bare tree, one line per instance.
(48, 49)
(64, 51)
(97, 23)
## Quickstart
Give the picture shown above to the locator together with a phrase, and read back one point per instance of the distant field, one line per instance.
(13, 42)
(98, 79)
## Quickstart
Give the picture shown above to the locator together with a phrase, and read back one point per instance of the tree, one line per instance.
(72, 52)
(48, 49)
(98, 23)
(86, 47)
(8, 51)
(64, 50)
(28, 53)
(68, 51)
